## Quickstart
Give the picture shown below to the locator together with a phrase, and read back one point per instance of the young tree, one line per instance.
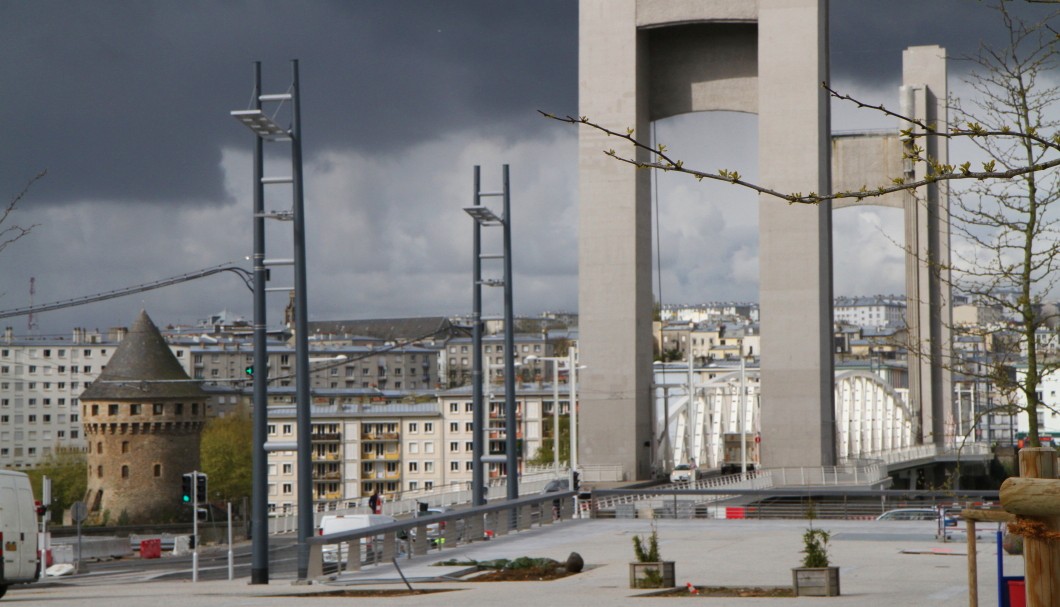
(68, 471)
(225, 452)
(1011, 225)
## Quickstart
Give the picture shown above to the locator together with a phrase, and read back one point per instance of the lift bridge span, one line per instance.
(874, 427)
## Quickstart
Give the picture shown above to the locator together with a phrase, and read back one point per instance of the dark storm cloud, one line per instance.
(867, 37)
(128, 101)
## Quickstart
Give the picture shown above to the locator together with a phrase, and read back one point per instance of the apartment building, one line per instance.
(876, 312)
(357, 449)
(459, 355)
(376, 366)
(41, 380)
(397, 447)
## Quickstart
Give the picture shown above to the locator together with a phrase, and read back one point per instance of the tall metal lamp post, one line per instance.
(484, 217)
(266, 129)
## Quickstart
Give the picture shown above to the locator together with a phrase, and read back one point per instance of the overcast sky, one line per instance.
(126, 105)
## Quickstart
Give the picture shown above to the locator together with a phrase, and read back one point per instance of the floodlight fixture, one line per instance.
(484, 216)
(262, 125)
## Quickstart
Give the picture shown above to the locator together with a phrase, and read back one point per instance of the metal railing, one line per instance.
(654, 497)
(860, 474)
(777, 503)
(350, 550)
(532, 481)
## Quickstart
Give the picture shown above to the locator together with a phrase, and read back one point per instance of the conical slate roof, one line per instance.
(143, 367)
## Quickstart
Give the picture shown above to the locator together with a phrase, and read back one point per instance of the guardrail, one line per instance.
(776, 503)
(851, 474)
(750, 480)
(532, 481)
(414, 537)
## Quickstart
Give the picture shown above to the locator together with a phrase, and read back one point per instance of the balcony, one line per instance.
(326, 437)
(380, 436)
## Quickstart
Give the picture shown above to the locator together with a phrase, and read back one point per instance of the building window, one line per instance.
(179, 408)
(288, 468)
(453, 407)
(454, 446)
(428, 467)
(134, 409)
(125, 446)
(99, 447)
(287, 488)
(99, 471)
(454, 426)
(112, 409)
(414, 466)
(428, 485)
(428, 427)
(413, 427)
(158, 408)
(158, 470)
(125, 472)
(454, 466)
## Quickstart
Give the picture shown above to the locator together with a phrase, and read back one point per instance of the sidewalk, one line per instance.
(893, 563)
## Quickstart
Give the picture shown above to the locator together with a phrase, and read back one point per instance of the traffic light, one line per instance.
(201, 488)
(249, 370)
(190, 480)
(186, 482)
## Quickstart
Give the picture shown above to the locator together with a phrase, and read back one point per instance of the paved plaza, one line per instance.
(882, 563)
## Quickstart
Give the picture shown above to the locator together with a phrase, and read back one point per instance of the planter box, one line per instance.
(816, 581)
(638, 575)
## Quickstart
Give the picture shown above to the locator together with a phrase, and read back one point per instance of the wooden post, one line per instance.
(973, 576)
(1041, 557)
(971, 516)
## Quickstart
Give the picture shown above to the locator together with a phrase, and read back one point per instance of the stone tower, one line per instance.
(142, 417)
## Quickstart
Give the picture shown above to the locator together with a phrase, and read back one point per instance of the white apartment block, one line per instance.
(396, 447)
(41, 381)
(875, 312)
(1048, 416)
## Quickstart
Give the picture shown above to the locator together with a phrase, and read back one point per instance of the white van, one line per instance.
(18, 531)
(337, 523)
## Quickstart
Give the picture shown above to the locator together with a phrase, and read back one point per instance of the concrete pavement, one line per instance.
(892, 563)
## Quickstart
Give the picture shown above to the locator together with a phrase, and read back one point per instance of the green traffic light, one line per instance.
(249, 370)
(187, 498)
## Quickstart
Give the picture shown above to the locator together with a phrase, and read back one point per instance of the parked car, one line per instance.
(347, 522)
(917, 514)
(557, 484)
(682, 473)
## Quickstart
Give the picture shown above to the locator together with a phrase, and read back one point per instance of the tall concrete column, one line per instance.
(928, 305)
(795, 250)
(614, 246)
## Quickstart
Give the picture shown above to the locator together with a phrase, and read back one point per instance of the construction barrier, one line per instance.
(151, 549)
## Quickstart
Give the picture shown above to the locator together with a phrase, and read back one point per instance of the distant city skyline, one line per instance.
(126, 105)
